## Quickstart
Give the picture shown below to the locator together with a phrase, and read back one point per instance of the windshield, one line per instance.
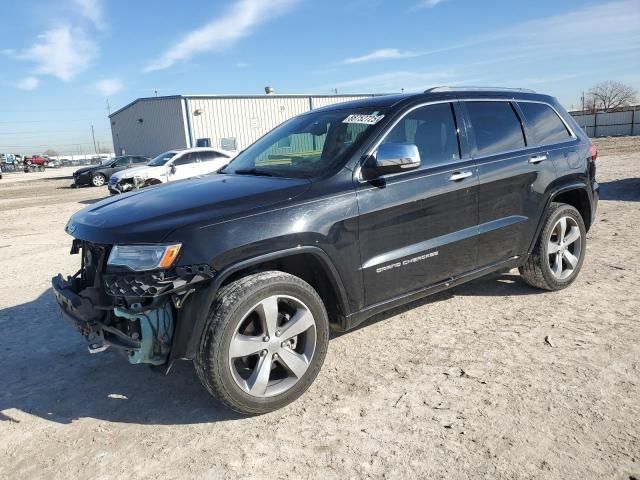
(162, 159)
(307, 145)
(107, 161)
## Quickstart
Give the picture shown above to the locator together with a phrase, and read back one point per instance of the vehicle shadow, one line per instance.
(47, 371)
(493, 285)
(625, 189)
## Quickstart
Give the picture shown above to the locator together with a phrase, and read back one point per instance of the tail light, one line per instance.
(593, 152)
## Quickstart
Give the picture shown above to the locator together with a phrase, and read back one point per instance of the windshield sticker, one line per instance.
(363, 119)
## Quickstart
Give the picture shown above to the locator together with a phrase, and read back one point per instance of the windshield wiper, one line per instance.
(255, 171)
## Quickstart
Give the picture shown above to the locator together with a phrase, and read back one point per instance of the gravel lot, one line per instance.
(490, 380)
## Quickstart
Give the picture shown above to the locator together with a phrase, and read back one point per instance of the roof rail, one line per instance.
(477, 89)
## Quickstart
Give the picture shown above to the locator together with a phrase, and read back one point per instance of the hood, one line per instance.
(149, 215)
(131, 172)
(87, 169)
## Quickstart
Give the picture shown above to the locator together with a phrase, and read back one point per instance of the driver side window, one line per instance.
(433, 130)
(122, 162)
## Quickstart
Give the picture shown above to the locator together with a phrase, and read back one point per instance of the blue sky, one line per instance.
(60, 61)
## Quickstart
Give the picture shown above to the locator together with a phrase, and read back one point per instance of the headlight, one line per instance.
(144, 257)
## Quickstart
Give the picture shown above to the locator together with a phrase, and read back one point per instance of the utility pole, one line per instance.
(93, 135)
(108, 108)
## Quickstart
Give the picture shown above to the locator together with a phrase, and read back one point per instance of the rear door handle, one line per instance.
(537, 159)
(456, 177)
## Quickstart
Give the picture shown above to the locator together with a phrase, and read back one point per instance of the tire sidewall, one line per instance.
(233, 315)
(562, 211)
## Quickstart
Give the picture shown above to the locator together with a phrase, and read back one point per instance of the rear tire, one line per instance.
(559, 252)
(250, 358)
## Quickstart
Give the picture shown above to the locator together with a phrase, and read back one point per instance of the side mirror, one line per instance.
(172, 169)
(393, 158)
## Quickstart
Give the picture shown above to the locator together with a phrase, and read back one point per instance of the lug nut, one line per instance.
(263, 353)
(278, 332)
(266, 339)
(275, 355)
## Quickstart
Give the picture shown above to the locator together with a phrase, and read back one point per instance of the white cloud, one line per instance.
(242, 65)
(28, 83)
(62, 52)
(223, 32)
(92, 11)
(382, 54)
(431, 3)
(109, 86)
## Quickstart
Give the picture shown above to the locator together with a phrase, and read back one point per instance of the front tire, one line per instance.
(265, 341)
(98, 180)
(559, 252)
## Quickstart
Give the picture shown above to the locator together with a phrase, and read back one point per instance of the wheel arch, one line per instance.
(311, 264)
(576, 195)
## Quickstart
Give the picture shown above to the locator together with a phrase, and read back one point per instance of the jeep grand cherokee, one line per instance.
(335, 215)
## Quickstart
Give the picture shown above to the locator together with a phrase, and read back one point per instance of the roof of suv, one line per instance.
(389, 101)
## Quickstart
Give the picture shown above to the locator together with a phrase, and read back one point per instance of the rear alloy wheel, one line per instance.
(265, 342)
(98, 180)
(559, 252)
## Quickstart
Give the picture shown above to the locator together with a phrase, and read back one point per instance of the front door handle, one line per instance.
(457, 176)
(537, 159)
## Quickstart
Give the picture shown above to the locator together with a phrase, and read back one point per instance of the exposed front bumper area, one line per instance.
(134, 313)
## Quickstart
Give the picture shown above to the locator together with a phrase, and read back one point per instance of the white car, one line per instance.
(170, 166)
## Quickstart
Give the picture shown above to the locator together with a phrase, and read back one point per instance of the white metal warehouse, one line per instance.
(150, 126)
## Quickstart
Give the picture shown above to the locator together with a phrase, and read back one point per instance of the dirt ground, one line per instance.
(490, 380)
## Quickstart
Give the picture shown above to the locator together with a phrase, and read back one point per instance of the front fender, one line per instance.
(192, 318)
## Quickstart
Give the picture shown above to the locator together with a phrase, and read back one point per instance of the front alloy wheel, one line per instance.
(273, 346)
(266, 338)
(98, 180)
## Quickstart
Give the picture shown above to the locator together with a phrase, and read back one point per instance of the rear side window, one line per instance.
(545, 125)
(186, 159)
(496, 127)
(432, 129)
(209, 156)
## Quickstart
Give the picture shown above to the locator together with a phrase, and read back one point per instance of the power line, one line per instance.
(54, 120)
(45, 145)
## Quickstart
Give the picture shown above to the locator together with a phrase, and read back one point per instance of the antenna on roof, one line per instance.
(444, 88)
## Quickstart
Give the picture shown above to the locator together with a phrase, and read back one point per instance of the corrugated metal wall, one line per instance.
(317, 102)
(609, 124)
(241, 119)
(162, 127)
(227, 122)
(244, 120)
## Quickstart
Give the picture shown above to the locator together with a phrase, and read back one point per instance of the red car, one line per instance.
(35, 160)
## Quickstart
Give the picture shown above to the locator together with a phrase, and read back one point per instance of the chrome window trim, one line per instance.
(375, 146)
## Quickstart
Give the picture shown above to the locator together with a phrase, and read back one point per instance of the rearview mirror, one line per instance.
(393, 158)
(172, 169)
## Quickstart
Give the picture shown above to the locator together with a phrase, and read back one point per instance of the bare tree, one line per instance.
(610, 96)
(50, 153)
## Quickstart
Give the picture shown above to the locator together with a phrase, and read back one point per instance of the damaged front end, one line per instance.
(134, 312)
(130, 184)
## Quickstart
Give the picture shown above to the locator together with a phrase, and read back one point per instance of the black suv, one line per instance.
(98, 175)
(335, 215)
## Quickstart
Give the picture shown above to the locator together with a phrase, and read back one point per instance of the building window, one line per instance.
(203, 142)
(228, 143)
